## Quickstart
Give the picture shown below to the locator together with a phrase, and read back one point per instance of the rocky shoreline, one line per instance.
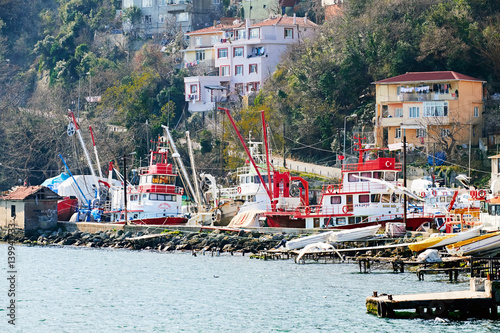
(215, 241)
(168, 240)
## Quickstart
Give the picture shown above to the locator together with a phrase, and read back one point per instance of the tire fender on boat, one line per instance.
(422, 194)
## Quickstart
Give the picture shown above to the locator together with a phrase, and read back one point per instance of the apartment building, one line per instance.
(429, 107)
(245, 56)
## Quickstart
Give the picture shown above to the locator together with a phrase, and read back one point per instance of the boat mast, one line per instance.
(248, 153)
(177, 157)
(82, 143)
(267, 153)
(191, 158)
(95, 152)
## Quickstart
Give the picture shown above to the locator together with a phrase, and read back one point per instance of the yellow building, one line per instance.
(440, 108)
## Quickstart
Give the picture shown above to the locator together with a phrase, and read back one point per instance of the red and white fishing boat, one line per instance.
(367, 195)
(156, 200)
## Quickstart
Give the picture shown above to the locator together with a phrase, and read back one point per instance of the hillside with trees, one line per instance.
(56, 53)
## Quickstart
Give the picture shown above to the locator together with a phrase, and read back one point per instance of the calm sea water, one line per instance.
(69, 289)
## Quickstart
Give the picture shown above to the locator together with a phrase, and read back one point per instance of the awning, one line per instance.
(216, 87)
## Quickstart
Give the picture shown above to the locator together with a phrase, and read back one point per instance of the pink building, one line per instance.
(245, 56)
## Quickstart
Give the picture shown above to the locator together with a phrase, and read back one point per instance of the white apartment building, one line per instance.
(245, 57)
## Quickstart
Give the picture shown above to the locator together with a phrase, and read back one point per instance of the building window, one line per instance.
(445, 133)
(398, 112)
(216, 2)
(193, 88)
(200, 55)
(197, 41)
(238, 70)
(240, 34)
(252, 68)
(128, 3)
(252, 86)
(254, 33)
(222, 53)
(163, 2)
(398, 133)
(182, 17)
(146, 19)
(288, 33)
(435, 109)
(12, 210)
(414, 112)
(476, 111)
(238, 52)
(239, 88)
(224, 70)
(213, 40)
(421, 133)
(147, 3)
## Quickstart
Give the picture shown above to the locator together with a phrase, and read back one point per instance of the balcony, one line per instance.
(418, 97)
(177, 6)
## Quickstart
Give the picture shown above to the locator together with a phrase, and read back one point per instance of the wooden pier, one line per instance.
(480, 301)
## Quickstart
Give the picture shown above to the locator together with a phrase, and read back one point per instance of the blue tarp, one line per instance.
(439, 158)
(54, 182)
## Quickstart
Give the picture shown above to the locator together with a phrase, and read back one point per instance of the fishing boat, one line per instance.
(367, 195)
(440, 240)
(486, 244)
(156, 200)
(490, 214)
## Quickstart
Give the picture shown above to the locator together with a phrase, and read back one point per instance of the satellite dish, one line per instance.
(71, 129)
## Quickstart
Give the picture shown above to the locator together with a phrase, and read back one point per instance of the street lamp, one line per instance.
(345, 119)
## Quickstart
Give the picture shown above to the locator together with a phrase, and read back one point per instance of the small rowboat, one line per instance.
(439, 241)
(487, 243)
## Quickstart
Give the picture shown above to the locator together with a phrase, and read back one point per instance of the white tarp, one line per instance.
(245, 219)
(87, 184)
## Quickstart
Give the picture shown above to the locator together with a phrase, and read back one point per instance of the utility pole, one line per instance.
(125, 186)
(284, 154)
(405, 202)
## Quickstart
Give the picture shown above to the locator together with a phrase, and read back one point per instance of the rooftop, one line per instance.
(22, 192)
(427, 77)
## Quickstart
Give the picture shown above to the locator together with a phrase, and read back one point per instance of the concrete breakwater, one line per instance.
(153, 239)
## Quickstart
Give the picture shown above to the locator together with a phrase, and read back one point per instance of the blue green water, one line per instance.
(69, 289)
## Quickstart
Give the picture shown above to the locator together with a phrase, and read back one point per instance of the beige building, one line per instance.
(436, 108)
(29, 208)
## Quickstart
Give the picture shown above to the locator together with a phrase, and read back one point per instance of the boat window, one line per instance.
(351, 177)
(394, 197)
(149, 179)
(144, 196)
(163, 180)
(448, 199)
(351, 220)
(328, 221)
(390, 176)
(341, 221)
(242, 180)
(256, 180)
(367, 175)
(364, 198)
(248, 179)
(433, 201)
(386, 198)
(153, 196)
(358, 219)
(442, 199)
(377, 174)
(335, 199)
(375, 198)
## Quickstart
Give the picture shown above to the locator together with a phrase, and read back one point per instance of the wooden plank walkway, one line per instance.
(463, 303)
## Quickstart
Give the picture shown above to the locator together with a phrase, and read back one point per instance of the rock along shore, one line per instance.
(167, 240)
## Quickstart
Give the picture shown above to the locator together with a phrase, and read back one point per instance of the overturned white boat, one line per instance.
(353, 234)
(312, 248)
(299, 243)
(484, 244)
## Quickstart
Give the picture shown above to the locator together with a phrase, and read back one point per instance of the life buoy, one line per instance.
(239, 189)
(422, 194)
(308, 210)
(434, 193)
(345, 209)
(481, 194)
(329, 189)
(129, 190)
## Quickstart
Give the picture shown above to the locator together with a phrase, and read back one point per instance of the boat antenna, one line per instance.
(95, 152)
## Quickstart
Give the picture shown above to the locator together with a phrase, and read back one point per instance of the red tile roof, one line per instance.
(428, 76)
(22, 192)
(287, 21)
(216, 28)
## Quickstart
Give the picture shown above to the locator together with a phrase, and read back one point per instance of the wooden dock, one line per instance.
(480, 301)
